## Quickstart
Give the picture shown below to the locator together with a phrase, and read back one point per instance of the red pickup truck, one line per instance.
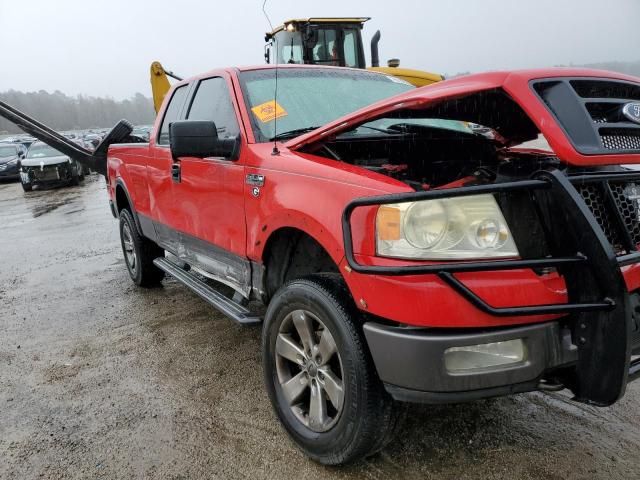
(408, 245)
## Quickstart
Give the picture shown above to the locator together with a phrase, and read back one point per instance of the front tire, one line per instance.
(139, 253)
(319, 374)
(27, 187)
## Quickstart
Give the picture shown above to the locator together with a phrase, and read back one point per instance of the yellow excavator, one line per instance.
(334, 41)
(314, 41)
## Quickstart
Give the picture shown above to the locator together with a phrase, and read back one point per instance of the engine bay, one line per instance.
(425, 157)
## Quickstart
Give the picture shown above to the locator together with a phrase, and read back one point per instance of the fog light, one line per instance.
(486, 355)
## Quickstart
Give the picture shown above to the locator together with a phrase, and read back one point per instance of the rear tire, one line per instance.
(139, 253)
(27, 187)
(366, 417)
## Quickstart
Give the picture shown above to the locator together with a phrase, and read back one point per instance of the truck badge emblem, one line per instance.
(632, 111)
(255, 192)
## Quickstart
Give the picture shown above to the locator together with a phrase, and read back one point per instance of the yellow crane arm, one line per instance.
(160, 83)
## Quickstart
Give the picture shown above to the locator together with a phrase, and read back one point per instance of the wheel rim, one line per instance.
(129, 250)
(309, 370)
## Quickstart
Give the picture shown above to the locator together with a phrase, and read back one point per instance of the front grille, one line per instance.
(594, 198)
(49, 173)
(621, 142)
(616, 208)
(591, 112)
(629, 208)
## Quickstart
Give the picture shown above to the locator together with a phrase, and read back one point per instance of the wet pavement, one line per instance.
(101, 379)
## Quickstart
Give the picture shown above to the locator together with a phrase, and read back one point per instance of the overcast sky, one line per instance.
(105, 47)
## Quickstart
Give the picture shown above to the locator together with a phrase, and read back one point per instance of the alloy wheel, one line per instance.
(129, 249)
(309, 370)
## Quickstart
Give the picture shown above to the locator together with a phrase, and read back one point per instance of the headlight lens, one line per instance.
(454, 228)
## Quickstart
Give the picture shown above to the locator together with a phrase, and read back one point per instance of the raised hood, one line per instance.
(579, 112)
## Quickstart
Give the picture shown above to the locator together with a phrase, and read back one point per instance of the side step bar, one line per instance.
(225, 305)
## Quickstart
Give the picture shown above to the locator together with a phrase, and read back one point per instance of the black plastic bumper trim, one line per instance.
(413, 359)
(439, 398)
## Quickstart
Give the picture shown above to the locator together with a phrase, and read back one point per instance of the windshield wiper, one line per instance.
(388, 131)
(292, 133)
(383, 130)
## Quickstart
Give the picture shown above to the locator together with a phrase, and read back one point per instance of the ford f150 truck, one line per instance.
(407, 244)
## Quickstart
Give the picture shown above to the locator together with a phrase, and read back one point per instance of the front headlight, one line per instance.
(458, 228)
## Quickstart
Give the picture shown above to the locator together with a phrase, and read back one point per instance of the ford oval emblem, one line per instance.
(632, 111)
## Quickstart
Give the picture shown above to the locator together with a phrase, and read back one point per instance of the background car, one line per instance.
(46, 166)
(10, 156)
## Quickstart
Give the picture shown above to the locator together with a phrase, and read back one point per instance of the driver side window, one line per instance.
(213, 102)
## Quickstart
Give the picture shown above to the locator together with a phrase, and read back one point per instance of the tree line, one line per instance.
(62, 112)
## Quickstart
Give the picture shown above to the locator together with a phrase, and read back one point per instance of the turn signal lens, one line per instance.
(388, 223)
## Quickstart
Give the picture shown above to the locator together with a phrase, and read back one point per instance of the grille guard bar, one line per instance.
(446, 270)
(597, 295)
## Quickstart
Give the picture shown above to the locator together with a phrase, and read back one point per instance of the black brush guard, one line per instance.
(598, 300)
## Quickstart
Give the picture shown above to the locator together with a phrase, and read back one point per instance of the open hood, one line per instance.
(556, 103)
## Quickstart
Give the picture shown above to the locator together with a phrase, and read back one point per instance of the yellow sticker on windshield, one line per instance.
(269, 111)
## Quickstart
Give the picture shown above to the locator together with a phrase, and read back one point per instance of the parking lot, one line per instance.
(99, 378)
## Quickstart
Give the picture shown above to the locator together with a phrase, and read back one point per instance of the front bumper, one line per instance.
(410, 362)
(48, 175)
(598, 309)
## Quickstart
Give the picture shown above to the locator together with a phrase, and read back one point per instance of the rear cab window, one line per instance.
(172, 113)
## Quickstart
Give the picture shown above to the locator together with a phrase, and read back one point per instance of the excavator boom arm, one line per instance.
(160, 83)
(95, 160)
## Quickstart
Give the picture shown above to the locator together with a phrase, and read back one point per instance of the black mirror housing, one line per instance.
(199, 138)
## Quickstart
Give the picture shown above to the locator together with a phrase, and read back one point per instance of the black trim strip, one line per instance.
(224, 266)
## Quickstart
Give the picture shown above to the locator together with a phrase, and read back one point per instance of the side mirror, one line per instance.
(199, 138)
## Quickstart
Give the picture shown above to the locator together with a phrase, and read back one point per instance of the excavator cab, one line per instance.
(335, 42)
(317, 41)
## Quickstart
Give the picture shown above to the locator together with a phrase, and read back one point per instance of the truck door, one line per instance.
(210, 194)
(165, 215)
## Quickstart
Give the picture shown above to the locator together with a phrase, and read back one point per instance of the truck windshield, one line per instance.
(310, 97)
(41, 151)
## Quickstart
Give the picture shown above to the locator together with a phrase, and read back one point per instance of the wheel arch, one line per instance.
(290, 252)
(123, 201)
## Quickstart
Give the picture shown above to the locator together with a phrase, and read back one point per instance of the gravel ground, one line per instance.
(101, 379)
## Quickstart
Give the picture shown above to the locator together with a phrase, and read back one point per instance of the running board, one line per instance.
(225, 305)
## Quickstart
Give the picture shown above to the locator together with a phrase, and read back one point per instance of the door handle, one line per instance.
(175, 172)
